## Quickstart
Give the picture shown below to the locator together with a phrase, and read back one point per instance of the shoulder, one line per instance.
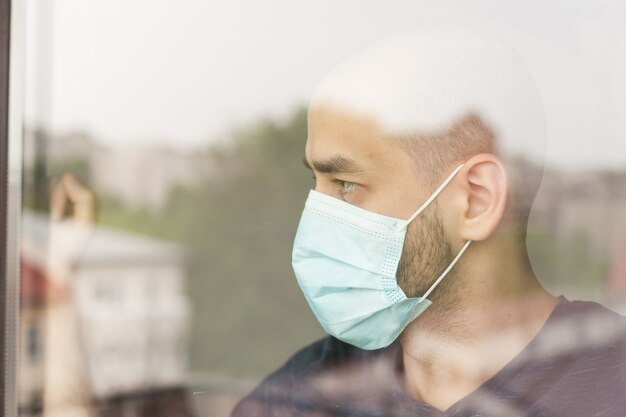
(594, 337)
(587, 326)
(287, 391)
(594, 323)
(588, 343)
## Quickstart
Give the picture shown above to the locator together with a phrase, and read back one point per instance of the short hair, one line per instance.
(448, 92)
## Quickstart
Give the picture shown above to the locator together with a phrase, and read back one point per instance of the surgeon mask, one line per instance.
(345, 259)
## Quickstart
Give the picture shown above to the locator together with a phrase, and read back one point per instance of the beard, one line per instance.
(425, 255)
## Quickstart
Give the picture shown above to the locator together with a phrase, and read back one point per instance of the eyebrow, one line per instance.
(334, 165)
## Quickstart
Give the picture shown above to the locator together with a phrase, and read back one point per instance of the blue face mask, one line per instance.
(345, 259)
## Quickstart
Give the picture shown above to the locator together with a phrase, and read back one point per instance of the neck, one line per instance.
(467, 337)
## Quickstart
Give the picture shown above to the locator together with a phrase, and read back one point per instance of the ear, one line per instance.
(484, 194)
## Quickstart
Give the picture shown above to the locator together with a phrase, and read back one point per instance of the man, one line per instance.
(411, 249)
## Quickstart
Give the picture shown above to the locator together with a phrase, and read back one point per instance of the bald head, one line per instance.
(447, 92)
(424, 81)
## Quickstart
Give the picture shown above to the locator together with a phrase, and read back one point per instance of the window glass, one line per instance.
(163, 184)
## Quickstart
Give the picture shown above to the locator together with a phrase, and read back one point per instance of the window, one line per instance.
(151, 162)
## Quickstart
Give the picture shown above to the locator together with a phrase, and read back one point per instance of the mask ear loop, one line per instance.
(422, 208)
(435, 194)
(443, 275)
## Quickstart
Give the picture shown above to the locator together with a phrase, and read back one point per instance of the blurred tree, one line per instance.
(249, 314)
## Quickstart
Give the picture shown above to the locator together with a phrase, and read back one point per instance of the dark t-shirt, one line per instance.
(575, 366)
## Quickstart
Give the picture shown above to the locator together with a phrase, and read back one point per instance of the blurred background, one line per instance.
(163, 183)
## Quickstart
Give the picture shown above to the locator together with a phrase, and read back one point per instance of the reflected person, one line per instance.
(73, 216)
(427, 148)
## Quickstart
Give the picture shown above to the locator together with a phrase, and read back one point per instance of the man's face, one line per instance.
(353, 161)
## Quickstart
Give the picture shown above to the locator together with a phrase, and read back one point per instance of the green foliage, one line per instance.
(562, 264)
(249, 314)
(238, 226)
(157, 224)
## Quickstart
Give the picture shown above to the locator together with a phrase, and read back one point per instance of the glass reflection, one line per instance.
(156, 276)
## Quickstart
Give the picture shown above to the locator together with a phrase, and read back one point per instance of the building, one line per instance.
(141, 177)
(116, 324)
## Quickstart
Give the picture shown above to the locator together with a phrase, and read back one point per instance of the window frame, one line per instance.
(12, 14)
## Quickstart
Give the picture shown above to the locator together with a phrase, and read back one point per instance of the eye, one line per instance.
(346, 187)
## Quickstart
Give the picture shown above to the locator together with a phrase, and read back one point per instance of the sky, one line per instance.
(188, 72)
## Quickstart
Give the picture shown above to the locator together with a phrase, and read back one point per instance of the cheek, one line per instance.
(397, 191)
(425, 255)
(395, 200)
